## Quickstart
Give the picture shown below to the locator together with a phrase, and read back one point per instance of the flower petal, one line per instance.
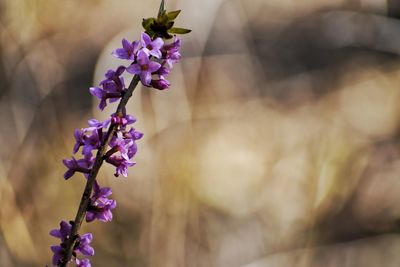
(134, 69)
(145, 39)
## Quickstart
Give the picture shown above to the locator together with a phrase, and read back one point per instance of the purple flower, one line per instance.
(127, 51)
(170, 52)
(121, 165)
(151, 48)
(81, 165)
(91, 142)
(78, 134)
(95, 124)
(133, 134)
(160, 84)
(144, 67)
(89, 138)
(123, 120)
(120, 144)
(162, 71)
(58, 254)
(111, 89)
(100, 206)
(114, 76)
(83, 245)
(63, 232)
(100, 94)
(82, 263)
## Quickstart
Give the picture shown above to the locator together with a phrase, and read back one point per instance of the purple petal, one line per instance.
(82, 263)
(90, 216)
(87, 250)
(126, 44)
(87, 238)
(105, 192)
(55, 233)
(102, 104)
(108, 215)
(138, 135)
(130, 119)
(158, 43)
(68, 174)
(142, 58)
(134, 69)
(94, 123)
(120, 53)
(120, 70)
(113, 204)
(97, 92)
(69, 163)
(153, 66)
(145, 77)
(145, 38)
(57, 250)
(135, 46)
(155, 53)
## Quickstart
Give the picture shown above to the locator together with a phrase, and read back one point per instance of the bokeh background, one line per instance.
(276, 145)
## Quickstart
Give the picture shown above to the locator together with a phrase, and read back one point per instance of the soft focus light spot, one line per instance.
(371, 106)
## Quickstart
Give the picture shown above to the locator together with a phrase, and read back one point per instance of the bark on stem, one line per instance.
(70, 243)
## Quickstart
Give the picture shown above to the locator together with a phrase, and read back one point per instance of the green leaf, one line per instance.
(169, 24)
(146, 23)
(162, 18)
(162, 7)
(173, 14)
(179, 30)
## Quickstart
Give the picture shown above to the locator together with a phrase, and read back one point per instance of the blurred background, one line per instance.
(276, 145)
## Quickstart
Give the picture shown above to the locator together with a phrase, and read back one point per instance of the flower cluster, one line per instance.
(151, 59)
(100, 206)
(114, 140)
(82, 245)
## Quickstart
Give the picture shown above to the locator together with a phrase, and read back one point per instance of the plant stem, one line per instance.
(70, 243)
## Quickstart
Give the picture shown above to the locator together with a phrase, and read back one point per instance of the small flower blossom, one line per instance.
(81, 165)
(58, 254)
(78, 134)
(123, 120)
(89, 139)
(133, 134)
(98, 125)
(144, 67)
(115, 76)
(128, 50)
(160, 84)
(63, 232)
(82, 262)
(121, 165)
(151, 48)
(113, 87)
(82, 243)
(100, 206)
(170, 52)
(120, 144)
(162, 71)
